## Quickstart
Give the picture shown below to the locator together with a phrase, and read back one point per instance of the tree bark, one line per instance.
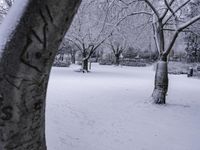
(117, 60)
(85, 65)
(161, 82)
(25, 64)
(73, 58)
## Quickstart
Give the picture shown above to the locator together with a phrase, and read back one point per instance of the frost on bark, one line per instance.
(161, 83)
(25, 65)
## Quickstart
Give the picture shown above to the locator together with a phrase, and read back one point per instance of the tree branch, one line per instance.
(74, 44)
(132, 14)
(166, 11)
(152, 7)
(180, 29)
(175, 11)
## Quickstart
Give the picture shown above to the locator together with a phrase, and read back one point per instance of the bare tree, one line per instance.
(89, 30)
(168, 20)
(68, 48)
(117, 50)
(166, 17)
(118, 46)
(28, 47)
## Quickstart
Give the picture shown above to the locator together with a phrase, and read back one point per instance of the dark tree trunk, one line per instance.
(85, 65)
(117, 60)
(25, 65)
(73, 59)
(161, 82)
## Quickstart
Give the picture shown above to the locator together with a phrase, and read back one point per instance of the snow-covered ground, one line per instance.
(109, 109)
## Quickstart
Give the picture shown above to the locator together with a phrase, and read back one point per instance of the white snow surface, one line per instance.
(110, 109)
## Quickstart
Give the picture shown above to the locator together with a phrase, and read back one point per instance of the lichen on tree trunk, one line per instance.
(24, 72)
(161, 83)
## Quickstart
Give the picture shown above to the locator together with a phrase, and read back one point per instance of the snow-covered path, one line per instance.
(109, 109)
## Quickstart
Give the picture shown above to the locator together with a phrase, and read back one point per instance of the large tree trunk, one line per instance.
(161, 82)
(85, 65)
(117, 60)
(25, 64)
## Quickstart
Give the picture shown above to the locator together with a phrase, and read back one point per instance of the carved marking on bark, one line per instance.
(67, 18)
(38, 55)
(38, 82)
(38, 105)
(45, 37)
(42, 16)
(28, 43)
(15, 81)
(44, 29)
(11, 83)
(49, 13)
(23, 97)
(7, 113)
(36, 36)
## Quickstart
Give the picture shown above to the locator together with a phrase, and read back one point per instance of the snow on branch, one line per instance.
(188, 23)
(128, 3)
(175, 11)
(169, 8)
(152, 7)
(180, 29)
(166, 10)
(133, 14)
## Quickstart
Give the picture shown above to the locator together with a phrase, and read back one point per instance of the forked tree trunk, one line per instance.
(161, 82)
(25, 64)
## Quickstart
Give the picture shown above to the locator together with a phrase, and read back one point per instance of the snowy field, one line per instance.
(110, 109)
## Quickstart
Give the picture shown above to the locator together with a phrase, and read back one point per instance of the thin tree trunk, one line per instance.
(73, 58)
(161, 82)
(25, 65)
